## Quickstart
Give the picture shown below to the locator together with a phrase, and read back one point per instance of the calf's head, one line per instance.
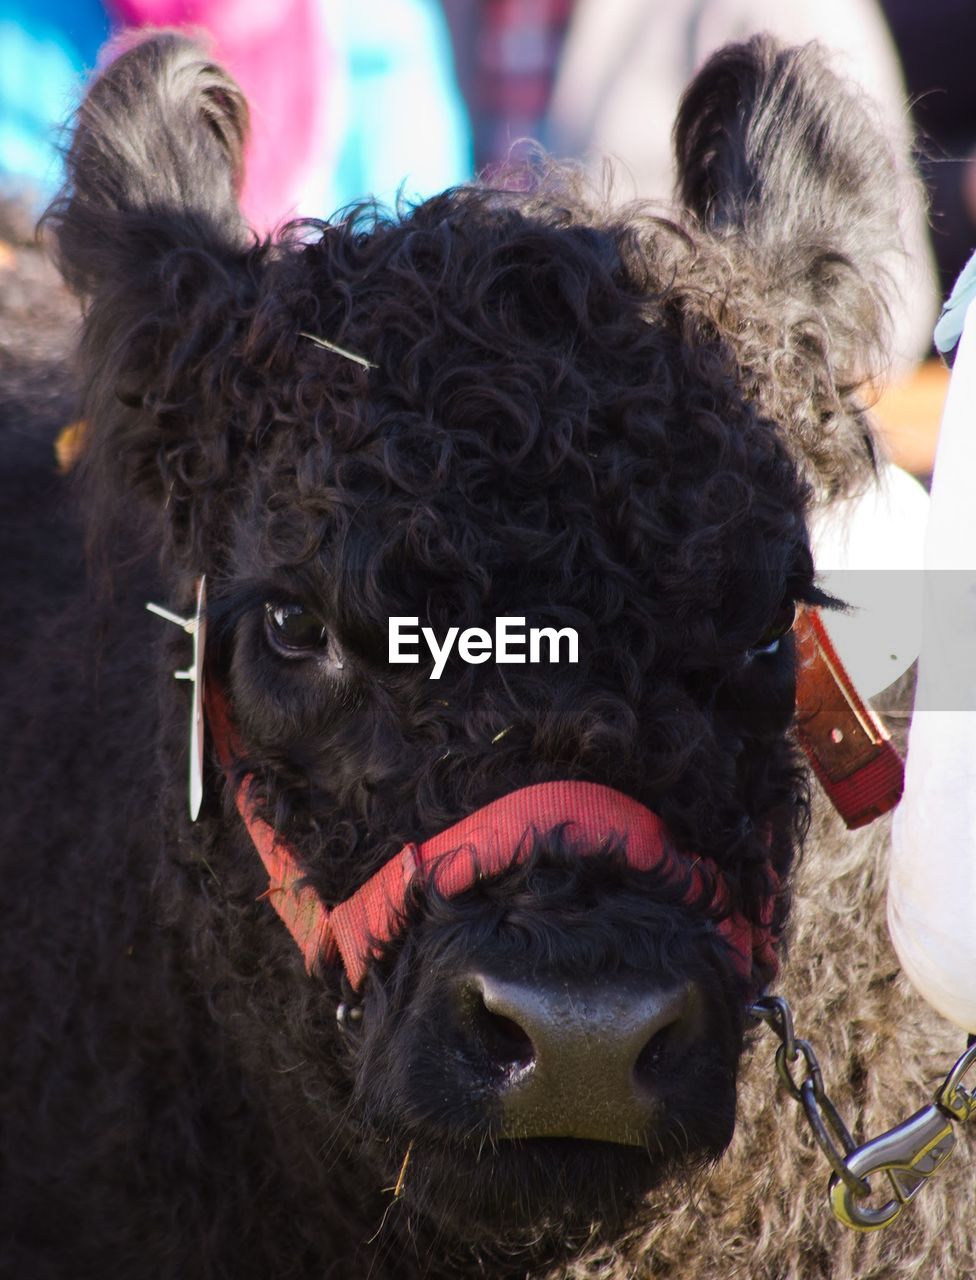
(604, 421)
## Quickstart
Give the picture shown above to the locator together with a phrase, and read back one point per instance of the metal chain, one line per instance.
(908, 1155)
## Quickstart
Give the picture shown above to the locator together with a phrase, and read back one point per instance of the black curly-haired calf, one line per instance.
(495, 405)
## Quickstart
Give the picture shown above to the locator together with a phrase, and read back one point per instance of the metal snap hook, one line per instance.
(909, 1154)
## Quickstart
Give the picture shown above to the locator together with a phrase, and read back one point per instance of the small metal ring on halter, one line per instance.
(777, 1015)
(347, 1014)
(349, 1011)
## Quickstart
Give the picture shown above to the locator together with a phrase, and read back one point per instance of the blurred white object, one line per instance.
(869, 552)
(932, 886)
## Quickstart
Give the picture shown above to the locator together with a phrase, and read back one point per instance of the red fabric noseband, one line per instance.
(482, 845)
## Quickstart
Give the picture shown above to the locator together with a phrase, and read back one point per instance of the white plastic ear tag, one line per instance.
(197, 628)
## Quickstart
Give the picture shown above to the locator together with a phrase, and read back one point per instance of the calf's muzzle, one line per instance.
(562, 1059)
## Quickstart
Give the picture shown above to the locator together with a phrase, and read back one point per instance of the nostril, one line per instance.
(507, 1045)
(663, 1049)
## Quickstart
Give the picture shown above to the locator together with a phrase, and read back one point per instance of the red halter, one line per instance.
(847, 745)
(481, 845)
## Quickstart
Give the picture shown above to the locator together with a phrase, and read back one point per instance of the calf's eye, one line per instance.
(781, 625)
(294, 630)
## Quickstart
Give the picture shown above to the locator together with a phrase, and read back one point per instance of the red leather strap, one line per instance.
(846, 743)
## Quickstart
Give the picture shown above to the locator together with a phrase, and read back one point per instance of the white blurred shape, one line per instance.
(869, 553)
(932, 885)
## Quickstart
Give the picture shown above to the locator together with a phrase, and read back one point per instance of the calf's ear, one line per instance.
(148, 233)
(794, 170)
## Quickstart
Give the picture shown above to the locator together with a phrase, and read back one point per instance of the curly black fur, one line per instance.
(614, 422)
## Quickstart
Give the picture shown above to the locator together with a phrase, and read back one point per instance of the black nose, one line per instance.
(578, 1061)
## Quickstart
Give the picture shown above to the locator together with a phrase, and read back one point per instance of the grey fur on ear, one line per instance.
(160, 132)
(770, 142)
(147, 231)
